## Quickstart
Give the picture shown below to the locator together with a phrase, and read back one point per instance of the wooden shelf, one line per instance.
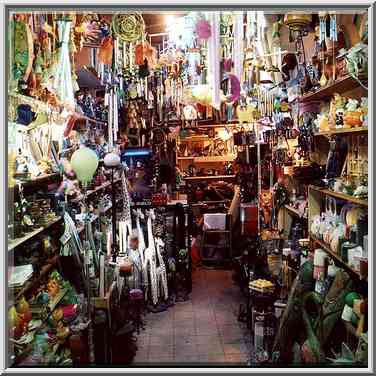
(209, 126)
(342, 131)
(339, 86)
(210, 159)
(341, 196)
(44, 271)
(219, 158)
(195, 138)
(209, 177)
(17, 242)
(337, 258)
(37, 180)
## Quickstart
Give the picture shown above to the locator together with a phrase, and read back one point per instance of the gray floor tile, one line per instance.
(161, 350)
(203, 330)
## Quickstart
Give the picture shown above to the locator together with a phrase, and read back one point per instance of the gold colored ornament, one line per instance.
(129, 27)
(323, 80)
(297, 21)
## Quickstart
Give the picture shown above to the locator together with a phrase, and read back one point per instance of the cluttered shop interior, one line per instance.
(187, 188)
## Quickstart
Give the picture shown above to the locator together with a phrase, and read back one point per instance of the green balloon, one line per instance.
(84, 162)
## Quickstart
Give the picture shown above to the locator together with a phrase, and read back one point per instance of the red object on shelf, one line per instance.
(159, 199)
(249, 216)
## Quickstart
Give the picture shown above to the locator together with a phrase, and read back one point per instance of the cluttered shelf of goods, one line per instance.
(188, 188)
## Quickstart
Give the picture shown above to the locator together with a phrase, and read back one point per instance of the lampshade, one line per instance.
(111, 160)
(84, 162)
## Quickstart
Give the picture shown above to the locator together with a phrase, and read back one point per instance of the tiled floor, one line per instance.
(202, 330)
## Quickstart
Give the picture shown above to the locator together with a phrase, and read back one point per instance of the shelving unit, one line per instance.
(215, 158)
(34, 281)
(17, 242)
(342, 131)
(205, 165)
(334, 256)
(209, 177)
(342, 196)
(343, 84)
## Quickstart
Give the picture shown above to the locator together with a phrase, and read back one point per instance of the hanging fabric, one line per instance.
(238, 45)
(63, 83)
(333, 27)
(322, 27)
(214, 59)
(251, 26)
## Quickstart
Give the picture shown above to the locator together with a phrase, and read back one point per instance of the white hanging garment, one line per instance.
(63, 83)
(238, 45)
(214, 59)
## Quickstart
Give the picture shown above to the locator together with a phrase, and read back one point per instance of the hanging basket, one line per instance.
(128, 27)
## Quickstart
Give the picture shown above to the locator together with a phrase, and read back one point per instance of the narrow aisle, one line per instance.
(202, 330)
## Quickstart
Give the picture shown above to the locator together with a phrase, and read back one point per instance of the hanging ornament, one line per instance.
(203, 29)
(129, 27)
(297, 22)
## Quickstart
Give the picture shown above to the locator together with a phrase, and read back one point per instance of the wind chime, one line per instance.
(322, 36)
